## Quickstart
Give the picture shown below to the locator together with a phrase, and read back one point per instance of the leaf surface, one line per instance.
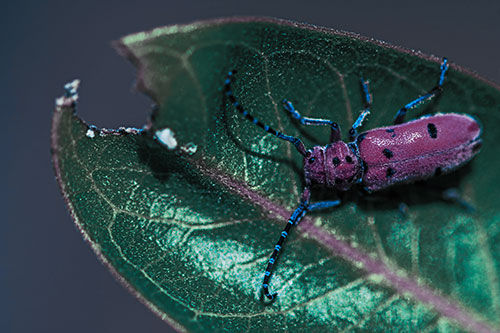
(190, 231)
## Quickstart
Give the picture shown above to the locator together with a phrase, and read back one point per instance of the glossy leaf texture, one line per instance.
(190, 231)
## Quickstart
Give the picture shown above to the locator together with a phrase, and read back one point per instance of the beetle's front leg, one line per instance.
(297, 215)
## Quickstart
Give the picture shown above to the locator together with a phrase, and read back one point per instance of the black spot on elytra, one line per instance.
(348, 159)
(438, 171)
(431, 128)
(364, 166)
(360, 137)
(387, 153)
(390, 172)
(336, 161)
(391, 130)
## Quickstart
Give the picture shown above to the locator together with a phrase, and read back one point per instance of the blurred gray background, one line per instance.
(50, 280)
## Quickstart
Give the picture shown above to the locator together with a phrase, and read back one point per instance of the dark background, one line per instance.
(50, 280)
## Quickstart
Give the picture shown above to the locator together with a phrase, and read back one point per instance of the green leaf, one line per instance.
(190, 230)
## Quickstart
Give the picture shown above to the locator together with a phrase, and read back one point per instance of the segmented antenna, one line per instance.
(229, 93)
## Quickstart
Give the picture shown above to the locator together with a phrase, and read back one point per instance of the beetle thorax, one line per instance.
(334, 165)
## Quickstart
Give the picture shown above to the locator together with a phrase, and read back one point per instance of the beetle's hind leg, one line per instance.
(368, 104)
(453, 195)
(400, 115)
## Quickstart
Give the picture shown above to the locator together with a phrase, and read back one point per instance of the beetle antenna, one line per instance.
(229, 93)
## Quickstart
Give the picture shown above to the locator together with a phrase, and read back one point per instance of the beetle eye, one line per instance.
(312, 159)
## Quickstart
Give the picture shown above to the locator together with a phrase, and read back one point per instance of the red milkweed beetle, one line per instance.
(378, 158)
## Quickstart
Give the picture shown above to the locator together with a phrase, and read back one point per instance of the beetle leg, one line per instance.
(297, 215)
(453, 195)
(368, 103)
(335, 129)
(400, 115)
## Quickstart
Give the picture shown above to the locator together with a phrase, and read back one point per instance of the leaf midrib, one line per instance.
(447, 307)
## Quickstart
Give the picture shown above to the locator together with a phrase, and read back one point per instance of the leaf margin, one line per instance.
(122, 49)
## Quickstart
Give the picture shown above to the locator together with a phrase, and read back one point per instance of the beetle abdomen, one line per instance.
(418, 149)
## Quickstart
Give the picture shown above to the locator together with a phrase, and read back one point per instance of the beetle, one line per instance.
(376, 159)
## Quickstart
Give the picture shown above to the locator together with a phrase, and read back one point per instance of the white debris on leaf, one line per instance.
(92, 130)
(131, 130)
(60, 101)
(166, 138)
(90, 133)
(72, 88)
(189, 148)
(70, 94)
